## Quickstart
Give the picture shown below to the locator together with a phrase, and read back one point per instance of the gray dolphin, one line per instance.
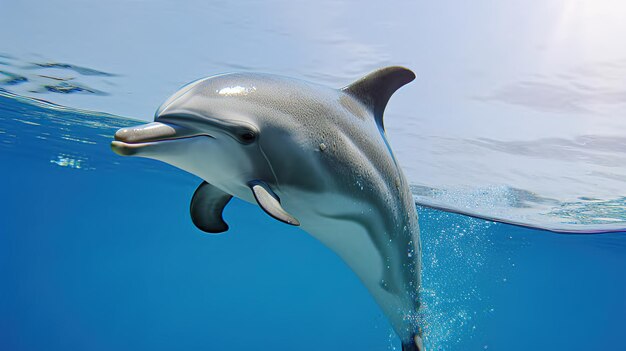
(309, 156)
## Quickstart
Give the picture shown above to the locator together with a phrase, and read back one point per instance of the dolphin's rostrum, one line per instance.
(309, 156)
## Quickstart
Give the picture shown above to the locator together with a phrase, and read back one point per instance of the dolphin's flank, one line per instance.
(309, 156)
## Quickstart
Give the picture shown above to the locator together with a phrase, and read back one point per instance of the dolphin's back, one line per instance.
(316, 114)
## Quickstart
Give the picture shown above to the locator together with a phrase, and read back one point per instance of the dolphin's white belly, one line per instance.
(351, 241)
(333, 220)
(345, 226)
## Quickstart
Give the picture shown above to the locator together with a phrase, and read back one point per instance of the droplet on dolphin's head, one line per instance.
(322, 147)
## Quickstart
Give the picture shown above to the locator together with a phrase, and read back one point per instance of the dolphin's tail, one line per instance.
(415, 344)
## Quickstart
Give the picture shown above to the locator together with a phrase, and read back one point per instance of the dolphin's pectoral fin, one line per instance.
(270, 203)
(206, 208)
(375, 89)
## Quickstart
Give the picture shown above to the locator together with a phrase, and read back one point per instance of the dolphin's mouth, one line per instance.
(129, 140)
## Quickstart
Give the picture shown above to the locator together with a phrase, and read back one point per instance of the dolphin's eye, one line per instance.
(247, 136)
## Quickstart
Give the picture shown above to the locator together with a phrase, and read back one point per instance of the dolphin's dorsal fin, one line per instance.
(206, 208)
(375, 89)
(270, 203)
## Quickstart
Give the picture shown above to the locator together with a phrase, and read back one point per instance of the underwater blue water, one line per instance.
(97, 252)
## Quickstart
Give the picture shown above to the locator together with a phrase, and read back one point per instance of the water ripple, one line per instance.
(53, 77)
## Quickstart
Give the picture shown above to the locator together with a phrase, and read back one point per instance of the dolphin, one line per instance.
(309, 156)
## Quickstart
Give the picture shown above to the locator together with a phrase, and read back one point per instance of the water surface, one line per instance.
(517, 113)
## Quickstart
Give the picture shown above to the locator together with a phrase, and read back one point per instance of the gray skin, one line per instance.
(309, 155)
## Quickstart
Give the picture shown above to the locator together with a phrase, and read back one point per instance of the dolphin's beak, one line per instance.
(129, 140)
